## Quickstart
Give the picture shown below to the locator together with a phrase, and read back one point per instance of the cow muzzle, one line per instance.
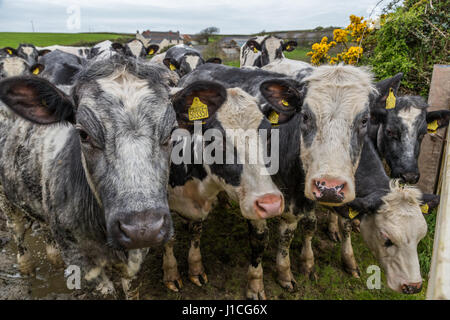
(269, 205)
(330, 191)
(144, 229)
(412, 288)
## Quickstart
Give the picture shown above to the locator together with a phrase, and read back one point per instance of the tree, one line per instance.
(203, 35)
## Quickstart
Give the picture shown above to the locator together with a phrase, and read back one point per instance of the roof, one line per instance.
(158, 36)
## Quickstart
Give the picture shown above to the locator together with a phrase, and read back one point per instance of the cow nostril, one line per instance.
(412, 288)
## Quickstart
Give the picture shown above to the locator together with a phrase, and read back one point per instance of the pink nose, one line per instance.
(269, 205)
(329, 190)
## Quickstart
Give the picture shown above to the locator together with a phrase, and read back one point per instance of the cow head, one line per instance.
(11, 66)
(401, 124)
(262, 50)
(135, 48)
(120, 119)
(183, 64)
(392, 234)
(231, 133)
(29, 53)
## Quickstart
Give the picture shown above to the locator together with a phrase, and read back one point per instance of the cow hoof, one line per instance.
(310, 273)
(355, 226)
(175, 285)
(26, 264)
(252, 295)
(290, 286)
(334, 236)
(106, 288)
(54, 256)
(354, 272)
(199, 280)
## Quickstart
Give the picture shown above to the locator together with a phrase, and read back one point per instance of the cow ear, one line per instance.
(284, 97)
(10, 51)
(214, 60)
(152, 49)
(172, 64)
(118, 47)
(37, 68)
(43, 52)
(289, 46)
(254, 46)
(437, 119)
(36, 100)
(429, 201)
(387, 88)
(198, 102)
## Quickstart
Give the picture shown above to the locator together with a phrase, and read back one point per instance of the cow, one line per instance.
(235, 115)
(182, 59)
(30, 53)
(397, 130)
(92, 166)
(392, 223)
(82, 52)
(262, 50)
(321, 122)
(102, 50)
(61, 67)
(135, 48)
(14, 66)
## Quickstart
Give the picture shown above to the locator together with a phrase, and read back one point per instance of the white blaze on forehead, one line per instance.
(135, 47)
(192, 61)
(272, 45)
(28, 50)
(14, 66)
(409, 117)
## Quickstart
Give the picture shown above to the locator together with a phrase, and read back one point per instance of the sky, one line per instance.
(189, 16)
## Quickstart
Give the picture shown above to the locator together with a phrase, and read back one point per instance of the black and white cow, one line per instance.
(182, 59)
(321, 123)
(135, 48)
(30, 53)
(81, 52)
(11, 66)
(92, 166)
(397, 130)
(61, 67)
(235, 116)
(262, 50)
(392, 223)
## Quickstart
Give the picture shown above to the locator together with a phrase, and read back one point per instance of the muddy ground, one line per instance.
(226, 254)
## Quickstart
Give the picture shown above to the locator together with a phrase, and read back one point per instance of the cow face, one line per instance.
(15, 66)
(231, 137)
(393, 233)
(262, 50)
(333, 122)
(123, 123)
(135, 48)
(401, 128)
(185, 64)
(28, 52)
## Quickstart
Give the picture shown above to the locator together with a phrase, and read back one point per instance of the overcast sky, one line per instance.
(189, 16)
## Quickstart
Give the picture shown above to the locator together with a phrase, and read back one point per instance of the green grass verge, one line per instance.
(298, 54)
(13, 39)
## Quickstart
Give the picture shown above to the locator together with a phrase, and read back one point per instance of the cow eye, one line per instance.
(84, 136)
(305, 117)
(388, 243)
(364, 121)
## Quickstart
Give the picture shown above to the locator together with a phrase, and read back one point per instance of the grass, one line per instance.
(13, 39)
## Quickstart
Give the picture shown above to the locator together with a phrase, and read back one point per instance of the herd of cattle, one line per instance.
(85, 150)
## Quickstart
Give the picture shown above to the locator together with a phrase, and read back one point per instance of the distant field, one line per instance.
(13, 39)
(298, 54)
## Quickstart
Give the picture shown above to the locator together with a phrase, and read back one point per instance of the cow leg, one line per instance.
(197, 273)
(259, 239)
(285, 277)
(17, 222)
(135, 259)
(333, 227)
(52, 251)
(171, 277)
(347, 256)
(309, 225)
(96, 277)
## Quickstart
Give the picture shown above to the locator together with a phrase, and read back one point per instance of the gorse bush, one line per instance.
(412, 38)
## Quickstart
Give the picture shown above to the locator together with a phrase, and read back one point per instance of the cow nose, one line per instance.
(411, 288)
(142, 229)
(410, 177)
(329, 190)
(269, 205)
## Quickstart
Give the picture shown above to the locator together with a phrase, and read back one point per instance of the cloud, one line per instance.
(231, 16)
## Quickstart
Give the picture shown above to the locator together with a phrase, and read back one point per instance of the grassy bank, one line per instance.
(13, 39)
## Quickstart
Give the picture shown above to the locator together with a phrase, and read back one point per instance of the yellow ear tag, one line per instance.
(36, 71)
(273, 117)
(172, 67)
(352, 213)
(9, 51)
(390, 101)
(284, 103)
(432, 126)
(424, 208)
(198, 110)
(288, 47)
(152, 51)
(255, 50)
